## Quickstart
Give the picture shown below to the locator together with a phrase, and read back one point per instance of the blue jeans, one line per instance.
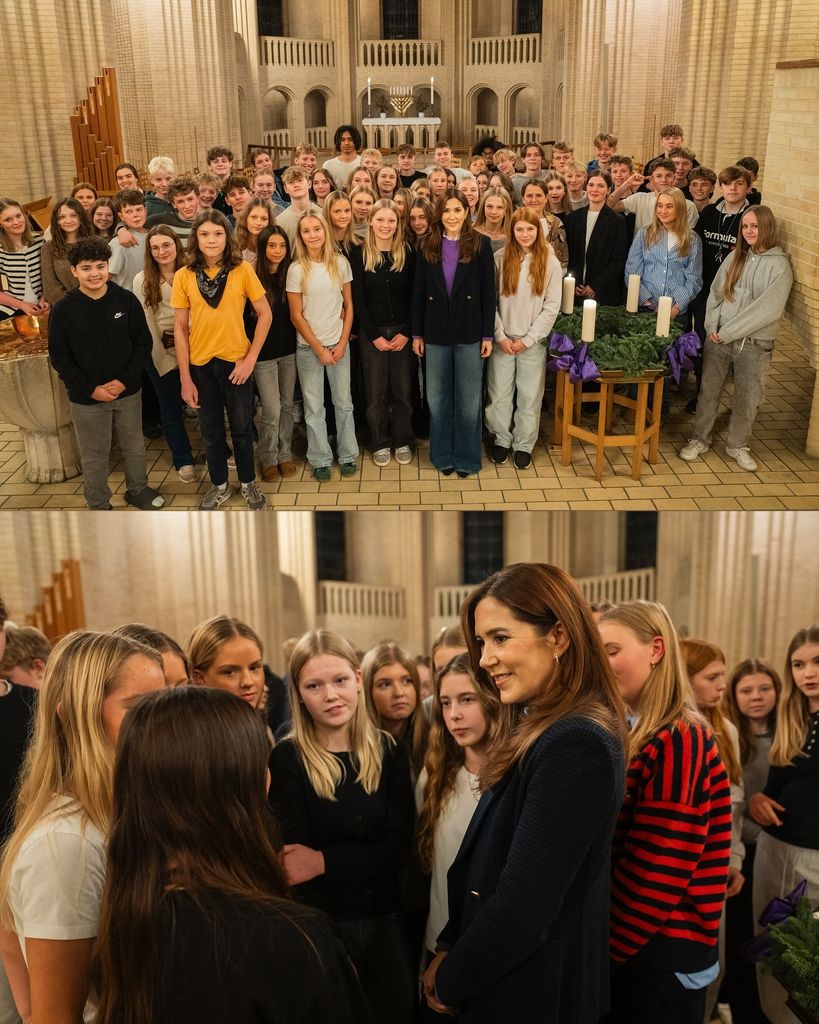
(311, 376)
(168, 390)
(216, 396)
(454, 381)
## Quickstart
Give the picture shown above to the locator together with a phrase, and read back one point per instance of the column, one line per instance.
(585, 37)
(541, 537)
(297, 563)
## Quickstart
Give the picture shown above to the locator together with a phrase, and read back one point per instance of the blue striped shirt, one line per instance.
(663, 271)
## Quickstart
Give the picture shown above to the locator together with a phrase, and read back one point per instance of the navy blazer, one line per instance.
(468, 314)
(601, 266)
(529, 889)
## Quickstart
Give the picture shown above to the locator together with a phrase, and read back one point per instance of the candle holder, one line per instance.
(400, 99)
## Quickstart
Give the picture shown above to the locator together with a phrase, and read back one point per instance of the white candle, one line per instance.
(432, 89)
(589, 316)
(664, 316)
(369, 92)
(633, 298)
(567, 305)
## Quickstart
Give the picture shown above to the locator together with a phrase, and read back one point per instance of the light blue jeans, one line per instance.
(275, 382)
(311, 376)
(515, 382)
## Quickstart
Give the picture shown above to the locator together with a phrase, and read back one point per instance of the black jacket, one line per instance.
(529, 888)
(603, 264)
(92, 341)
(468, 314)
(381, 298)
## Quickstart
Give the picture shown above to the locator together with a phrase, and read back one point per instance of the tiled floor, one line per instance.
(786, 479)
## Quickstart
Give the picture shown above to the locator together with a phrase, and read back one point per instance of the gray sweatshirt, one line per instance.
(760, 296)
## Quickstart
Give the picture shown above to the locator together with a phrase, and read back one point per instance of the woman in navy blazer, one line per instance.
(454, 315)
(527, 937)
(597, 267)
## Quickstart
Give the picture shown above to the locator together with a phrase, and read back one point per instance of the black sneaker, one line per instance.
(691, 407)
(523, 460)
(498, 454)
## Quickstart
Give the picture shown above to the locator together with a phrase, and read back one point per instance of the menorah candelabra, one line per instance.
(400, 99)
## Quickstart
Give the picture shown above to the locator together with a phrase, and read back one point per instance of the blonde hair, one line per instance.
(793, 711)
(493, 192)
(378, 657)
(206, 639)
(373, 256)
(655, 230)
(69, 753)
(766, 239)
(667, 699)
(28, 235)
(161, 163)
(325, 771)
(329, 254)
(697, 655)
(330, 201)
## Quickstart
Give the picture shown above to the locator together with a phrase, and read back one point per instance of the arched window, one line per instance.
(481, 545)
(399, 19)
(528, 16)
(271, 17)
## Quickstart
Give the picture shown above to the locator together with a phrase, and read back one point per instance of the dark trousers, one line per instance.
(388, 394)
(172, 411)
(377, 947)
(218, 395)
(697, 311)
(640, 994)
(739, 986)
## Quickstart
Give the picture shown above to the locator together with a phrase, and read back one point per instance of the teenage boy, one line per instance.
(304, 156)
(184, 208)
(237, 193)
(261, 160)
(672, 136)
(605, 146)
(346, 142)
(576, 177)
(24, 660)
(371, 159)
(506, 162)
(701, 184)
(297, 186)
(99, 342)
(641, 204)
(207, 189)
(751, 164)
(265, 187)
(622, 168)
(562, 156)
(532, 155)
(161, 172)
(443, 158)
(128, 260)
(220, 159)
(405, 165)
(126, 176)
(683, 160)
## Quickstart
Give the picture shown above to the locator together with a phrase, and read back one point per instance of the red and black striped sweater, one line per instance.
(671, 851)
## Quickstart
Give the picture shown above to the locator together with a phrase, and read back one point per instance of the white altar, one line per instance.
(389, 132)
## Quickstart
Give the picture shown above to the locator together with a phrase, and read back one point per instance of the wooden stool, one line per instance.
(569, 397)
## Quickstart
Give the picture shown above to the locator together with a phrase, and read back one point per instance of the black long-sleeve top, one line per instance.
(365, 839)
(93, 341)
(796, 787)
(281, 338)
(382, 297)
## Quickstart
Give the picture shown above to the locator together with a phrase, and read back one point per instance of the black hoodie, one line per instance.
(92, 341)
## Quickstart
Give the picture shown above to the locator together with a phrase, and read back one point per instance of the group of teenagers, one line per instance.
(555, 833)
(422, 299)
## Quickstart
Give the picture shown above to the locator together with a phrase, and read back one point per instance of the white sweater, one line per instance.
(525, 315)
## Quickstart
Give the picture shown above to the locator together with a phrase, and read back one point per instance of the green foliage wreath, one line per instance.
(623, 341)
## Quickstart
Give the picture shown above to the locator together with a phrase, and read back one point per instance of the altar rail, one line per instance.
(484, 130)
(283, 52)
(505, 50)
(403, 53)
(344, 600)
(521, 135)
(279, 137)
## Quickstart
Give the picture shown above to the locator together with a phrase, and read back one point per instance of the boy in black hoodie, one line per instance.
(98, 342)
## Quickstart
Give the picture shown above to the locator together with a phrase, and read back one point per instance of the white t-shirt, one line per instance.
(340, 170)
(591, 220)
(323, 300)
(449, 832)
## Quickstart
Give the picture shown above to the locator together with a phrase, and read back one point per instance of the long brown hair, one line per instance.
(793, 719)
(378, 657)
(766, 239)
(430, 243)
(582, 684)
(231, 257)
(444, 758)
(190, 813)
(152, 275)
(698, 654)
(748, 741)
(59, 243)
(513, 256)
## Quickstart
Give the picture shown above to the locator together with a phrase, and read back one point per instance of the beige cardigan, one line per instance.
(159, 320)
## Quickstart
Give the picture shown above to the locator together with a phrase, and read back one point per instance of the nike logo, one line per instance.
(118, 315)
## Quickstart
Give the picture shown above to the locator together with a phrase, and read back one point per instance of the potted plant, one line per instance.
(422, 106)
(794, 961)
(382, 105)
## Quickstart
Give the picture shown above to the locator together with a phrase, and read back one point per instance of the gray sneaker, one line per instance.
(382, 457)
(215, 497)
(253, 496)
(403, 455)
(743, 458)
(693, 450)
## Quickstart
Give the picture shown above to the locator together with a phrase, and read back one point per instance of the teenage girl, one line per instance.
(557, 194)
(215, 361)
(420, 217)
(103, 216)
(529, 291)
(342, 793)
(20, 251)
(339, 216)
(227, 654)
(175, 664)
(393, 694)
(673, 841)
(383, 269)
(751, 700)
(362, 201)
(53, 866)
(453, 319)
(533, 195)
(153, 286)
(195, 875)
(494, 215)
(469, 188)
(321, 308)
(275, 372)
(403, 199)
(787, 850)
(69, 223)
(321, 185)
(257, 215)
(420, 189)
(742, 318)
(386, 181)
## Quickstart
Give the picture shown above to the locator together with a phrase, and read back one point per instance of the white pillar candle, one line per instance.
(369, 91)
(432, 89)
(589, 316)
(567, 306)
(633, 298)
(664, 316)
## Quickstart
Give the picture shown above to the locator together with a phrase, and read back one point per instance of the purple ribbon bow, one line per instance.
(681, 352)
(778, 910)
(572, 357)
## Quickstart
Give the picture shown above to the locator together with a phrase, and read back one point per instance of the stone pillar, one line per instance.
(585, 38)
(538, 537)
(297, 563)
(596, 543)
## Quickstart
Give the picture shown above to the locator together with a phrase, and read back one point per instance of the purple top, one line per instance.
(450, 254)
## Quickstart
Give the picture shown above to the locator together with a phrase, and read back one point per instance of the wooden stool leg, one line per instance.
(656, 418)
(557, 437)
(639, 429)
(602, 420)
(568, 418)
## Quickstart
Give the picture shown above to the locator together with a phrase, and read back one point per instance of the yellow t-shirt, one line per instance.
(220, 332)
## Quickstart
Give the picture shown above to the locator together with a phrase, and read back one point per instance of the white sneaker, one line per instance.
(187, 474)
(382, 457)
(693, 450)
(743, 458)
(403, 455)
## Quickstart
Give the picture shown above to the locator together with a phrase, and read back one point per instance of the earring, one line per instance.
(557, 658)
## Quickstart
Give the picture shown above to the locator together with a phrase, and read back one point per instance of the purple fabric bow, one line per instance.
(681, 352)
(778, 910)
(572, 357)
